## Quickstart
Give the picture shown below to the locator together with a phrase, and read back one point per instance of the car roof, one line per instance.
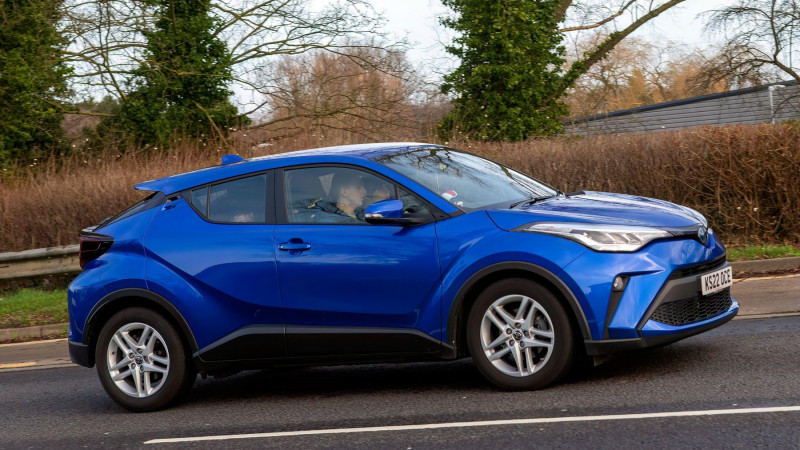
(338, 154)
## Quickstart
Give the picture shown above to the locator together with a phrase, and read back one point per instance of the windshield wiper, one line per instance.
(530, 201)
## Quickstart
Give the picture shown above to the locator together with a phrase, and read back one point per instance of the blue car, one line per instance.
(379, 253)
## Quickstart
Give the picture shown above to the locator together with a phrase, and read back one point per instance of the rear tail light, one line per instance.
(92, 246)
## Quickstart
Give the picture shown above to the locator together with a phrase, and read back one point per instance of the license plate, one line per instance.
(716, 281)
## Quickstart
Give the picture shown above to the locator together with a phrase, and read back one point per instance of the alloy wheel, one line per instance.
(517, 335)
(138, 360)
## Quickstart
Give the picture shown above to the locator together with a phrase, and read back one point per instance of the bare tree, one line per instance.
(108, 38)
(106, 43)
(615, 19)
(638, 73)
(370, 94)
(760, 36)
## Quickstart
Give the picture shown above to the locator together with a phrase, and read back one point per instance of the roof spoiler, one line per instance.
(230, 159)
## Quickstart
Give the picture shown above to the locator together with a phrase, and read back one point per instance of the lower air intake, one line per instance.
(694, 309)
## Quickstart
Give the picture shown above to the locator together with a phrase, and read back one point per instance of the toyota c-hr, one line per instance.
(378, 253)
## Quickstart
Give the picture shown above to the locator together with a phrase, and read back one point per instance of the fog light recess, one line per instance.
(619, 284)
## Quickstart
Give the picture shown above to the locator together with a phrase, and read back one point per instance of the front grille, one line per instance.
(698, 269)
(694, 309)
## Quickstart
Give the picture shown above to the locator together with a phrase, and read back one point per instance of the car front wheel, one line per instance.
(519, 335)
(141, 360)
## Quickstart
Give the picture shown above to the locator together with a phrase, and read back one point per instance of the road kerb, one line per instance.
(37, 332)
(765, 265)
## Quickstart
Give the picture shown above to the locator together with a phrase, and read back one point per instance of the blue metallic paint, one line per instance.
(361, 275)
(390, 209)
(604, 209)
(648, 268)
(221, 276)
(122, 268)
(225, 279)
(471, 243)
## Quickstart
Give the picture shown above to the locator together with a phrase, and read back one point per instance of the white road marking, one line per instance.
(485, 423)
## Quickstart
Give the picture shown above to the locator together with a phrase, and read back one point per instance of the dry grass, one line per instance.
(746, 179)
(48, 204)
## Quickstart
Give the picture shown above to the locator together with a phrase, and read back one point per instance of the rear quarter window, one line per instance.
(238, 201)
(151, 201)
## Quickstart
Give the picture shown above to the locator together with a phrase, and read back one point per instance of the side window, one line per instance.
(335, 195)
(412, 204)
(237, 201)
(200, 200)
(338, 195)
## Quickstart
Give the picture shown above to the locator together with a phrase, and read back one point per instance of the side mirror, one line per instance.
(390, 212)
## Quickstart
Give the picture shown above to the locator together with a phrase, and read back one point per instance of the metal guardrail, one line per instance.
(39, 262)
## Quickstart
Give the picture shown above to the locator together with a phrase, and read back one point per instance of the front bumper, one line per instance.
(660, 301)
(608, 346)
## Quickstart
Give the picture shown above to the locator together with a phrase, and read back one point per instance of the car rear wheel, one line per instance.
(519, 335)
(141, 360)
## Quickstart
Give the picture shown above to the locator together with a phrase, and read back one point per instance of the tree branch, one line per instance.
(602, 22)
(580, 67)
(561, 10)
(76, 111)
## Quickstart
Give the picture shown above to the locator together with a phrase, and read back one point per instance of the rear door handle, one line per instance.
(294, 246)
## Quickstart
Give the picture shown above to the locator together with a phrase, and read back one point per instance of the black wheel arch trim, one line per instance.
(148, 295)
(455, 309)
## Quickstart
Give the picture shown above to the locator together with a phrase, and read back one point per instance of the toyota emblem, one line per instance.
(702, 235)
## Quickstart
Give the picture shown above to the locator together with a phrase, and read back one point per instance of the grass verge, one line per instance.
(31, 307)
(761, 252)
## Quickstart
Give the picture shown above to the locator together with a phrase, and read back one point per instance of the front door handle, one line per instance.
(294, 246)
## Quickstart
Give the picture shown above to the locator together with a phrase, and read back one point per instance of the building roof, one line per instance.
(674, 103)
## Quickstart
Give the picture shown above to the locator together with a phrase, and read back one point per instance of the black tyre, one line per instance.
(141, 360)
(519, 335)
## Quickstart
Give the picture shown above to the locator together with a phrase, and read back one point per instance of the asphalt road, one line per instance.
(745, 364)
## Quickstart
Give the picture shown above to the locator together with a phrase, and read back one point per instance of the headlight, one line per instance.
(603, 238)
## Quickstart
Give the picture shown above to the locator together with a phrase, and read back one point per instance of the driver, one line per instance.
(345, 200)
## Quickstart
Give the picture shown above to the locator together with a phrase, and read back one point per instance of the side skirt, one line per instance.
(256, 347)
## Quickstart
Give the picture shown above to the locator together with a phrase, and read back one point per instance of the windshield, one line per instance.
(467, 181)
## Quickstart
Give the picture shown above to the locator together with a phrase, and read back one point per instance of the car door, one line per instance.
(349, 287)
(212, 251)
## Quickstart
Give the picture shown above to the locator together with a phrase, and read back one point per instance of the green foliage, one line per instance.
(761, 252)
(181, 88)
(32, 80)
(511, 57)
